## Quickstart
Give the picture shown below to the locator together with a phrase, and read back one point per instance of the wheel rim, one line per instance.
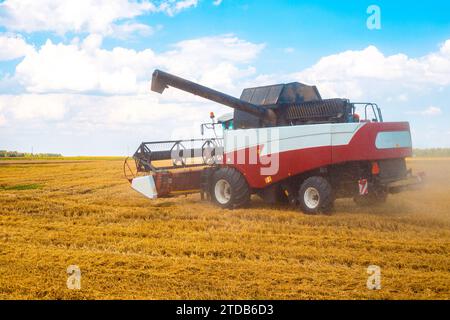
(222, 191)
(311, 198)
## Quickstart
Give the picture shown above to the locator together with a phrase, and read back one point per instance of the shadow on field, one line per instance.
(165, 204)
(347, 206)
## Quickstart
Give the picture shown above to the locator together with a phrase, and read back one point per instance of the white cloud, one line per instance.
(63, 82)
(13, 47)
(172, 7)
(93, 114)
(143, 109)
(85, 67)
(107, 17)
(124, 30)
(430, 111)
(398, 98)
(2, 116)
(217, 2)
(289, 50)
(63, 79)
(214, 61)
(81, 88)
(355, 74)
(85, 124)
(32, 106)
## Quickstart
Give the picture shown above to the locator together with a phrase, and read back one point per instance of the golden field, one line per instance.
(59, 213)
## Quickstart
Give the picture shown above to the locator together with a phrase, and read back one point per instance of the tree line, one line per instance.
(432, 153)
(17, 154)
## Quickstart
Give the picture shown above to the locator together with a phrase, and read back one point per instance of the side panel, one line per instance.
(284, 138)
(282, 152)
(268, 155)
(363, 145)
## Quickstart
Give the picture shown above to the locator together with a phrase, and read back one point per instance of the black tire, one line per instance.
(316, 196)
(239, 191)
(371, 199)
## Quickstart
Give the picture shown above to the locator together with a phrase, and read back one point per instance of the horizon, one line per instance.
(446, 152)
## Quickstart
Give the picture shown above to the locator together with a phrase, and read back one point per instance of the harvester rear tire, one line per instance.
(316, 195)
(229, 189)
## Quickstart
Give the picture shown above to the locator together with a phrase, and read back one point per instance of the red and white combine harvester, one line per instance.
(284, 143)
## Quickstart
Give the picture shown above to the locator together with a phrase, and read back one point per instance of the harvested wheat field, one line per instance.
(56, 214)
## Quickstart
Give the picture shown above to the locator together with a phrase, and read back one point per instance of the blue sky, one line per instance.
(74, 75)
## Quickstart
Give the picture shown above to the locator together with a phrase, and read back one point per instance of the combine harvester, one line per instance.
(284, 143)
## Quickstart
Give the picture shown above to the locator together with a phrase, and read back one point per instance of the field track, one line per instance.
(59, 213)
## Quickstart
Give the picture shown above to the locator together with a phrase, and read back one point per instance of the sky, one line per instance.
(75, 75)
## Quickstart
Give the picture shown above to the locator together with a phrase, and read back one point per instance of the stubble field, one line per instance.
(59, 213)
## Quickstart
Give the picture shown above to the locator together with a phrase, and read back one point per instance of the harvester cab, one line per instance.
(224, 122)
(324, 149)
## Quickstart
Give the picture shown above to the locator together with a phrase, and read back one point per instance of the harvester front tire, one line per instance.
(229, 189)
(316, 196)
